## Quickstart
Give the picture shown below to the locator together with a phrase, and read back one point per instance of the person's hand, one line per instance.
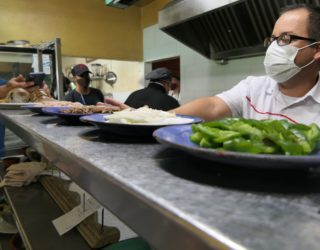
(16, 82)
(19, 82)
(113, 102)
(31, 88)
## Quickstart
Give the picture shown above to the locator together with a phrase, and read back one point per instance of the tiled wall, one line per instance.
(199, 76)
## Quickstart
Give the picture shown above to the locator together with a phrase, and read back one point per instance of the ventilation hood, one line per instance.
(222, 29)
(122, 4)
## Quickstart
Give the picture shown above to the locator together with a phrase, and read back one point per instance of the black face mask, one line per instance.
(84, 82)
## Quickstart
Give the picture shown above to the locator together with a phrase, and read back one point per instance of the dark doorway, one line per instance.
(172, 64)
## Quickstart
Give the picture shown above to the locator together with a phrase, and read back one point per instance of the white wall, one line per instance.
(199, 76)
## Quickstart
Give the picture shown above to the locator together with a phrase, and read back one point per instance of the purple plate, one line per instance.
(101, 121)
(57, 112)
(178, 137)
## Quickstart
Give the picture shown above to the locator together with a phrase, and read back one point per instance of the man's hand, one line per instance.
(16, 82)
(113, 103)
(19, 82)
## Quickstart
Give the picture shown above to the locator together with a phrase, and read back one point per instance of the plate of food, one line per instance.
(267, 144)
(19, 97)
(137, 122)
(38, 106)
(72, 114)
(33, 107)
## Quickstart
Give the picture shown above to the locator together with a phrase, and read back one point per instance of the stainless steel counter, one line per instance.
(176, 201)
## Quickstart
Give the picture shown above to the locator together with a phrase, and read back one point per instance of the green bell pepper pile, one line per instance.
(257, 137)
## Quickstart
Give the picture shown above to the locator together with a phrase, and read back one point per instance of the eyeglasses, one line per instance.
(285, 39)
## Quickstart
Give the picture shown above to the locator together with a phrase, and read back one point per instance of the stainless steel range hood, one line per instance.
(222, 29)
(122, 4)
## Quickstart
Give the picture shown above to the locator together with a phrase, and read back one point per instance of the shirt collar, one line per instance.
(157, 85)
(314, 93)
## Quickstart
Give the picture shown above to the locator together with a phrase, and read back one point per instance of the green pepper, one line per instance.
(312, 135)
(277, 132)
(246, 130)
(248, 146)
(203, 140)
(253, 136)
(218, 135)
(196, 137)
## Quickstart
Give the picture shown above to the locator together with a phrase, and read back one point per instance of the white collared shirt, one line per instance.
(267, 102)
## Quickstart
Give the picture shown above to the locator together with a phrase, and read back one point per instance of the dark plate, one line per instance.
(14, 105)
(33, 108)
(56, 111)
(178, 137)
(100, 120)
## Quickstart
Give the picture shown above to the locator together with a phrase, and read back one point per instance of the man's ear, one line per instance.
(317, 54)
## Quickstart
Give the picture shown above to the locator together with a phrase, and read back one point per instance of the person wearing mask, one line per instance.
(291, 88)
(155, 95)
(83, 93)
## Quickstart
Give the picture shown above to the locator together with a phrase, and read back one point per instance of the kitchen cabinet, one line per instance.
(174, 200)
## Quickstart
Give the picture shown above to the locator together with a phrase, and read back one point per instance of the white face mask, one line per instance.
(279, 61)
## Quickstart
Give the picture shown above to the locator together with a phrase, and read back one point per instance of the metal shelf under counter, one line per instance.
(34, 211)
(176, 201)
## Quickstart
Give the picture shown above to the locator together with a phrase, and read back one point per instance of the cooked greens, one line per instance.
(257, 137)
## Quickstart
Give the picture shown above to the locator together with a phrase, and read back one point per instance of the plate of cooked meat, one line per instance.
(73, 114)
(38, 106)
(19, 97)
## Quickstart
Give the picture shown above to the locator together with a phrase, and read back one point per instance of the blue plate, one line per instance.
(178, 137)
(33, 108)
(100, 120)
(57, 112)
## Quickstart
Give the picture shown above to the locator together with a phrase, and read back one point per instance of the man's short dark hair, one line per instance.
(314, 18)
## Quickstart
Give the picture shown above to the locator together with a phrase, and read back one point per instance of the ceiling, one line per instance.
(142, 3)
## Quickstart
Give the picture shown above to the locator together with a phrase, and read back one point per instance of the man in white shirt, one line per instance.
(291, 88)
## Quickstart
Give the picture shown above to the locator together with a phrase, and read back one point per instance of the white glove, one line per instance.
(22, 174)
